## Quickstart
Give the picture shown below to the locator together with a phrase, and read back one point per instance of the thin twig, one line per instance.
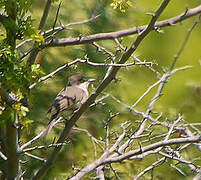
(149, 66)
(34, 157)
(184, 43)
(84, 61)
(155, 164)
(60, 28)
(38, 136)
(43, 147)
(63, 27)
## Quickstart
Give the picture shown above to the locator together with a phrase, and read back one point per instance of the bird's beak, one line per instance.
(91, 80)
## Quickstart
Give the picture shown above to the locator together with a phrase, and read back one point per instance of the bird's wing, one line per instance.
(68, 99)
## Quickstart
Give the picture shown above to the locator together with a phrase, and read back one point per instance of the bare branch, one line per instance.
(146, 92)
(57, 15)
(99, 101)
(155, 164)
(100, 173)
(113, 35)
(37, 137)
(103, 160)
(177, 169)
(162, 160)
(104, 51)
(161, 83)
(115, 173)
(93, 139)
(59, 29)
(184, 43)
(43, 147)
(135, 58)
(151, 147)
(193, 167)
(198, 176)
(31, 141)
(63, 27)
(104, 156)
(3, 156)
(34, 157)
(144, 115)
(85, 61)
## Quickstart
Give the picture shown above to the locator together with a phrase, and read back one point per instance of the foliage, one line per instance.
(15, 74)
(123, 5)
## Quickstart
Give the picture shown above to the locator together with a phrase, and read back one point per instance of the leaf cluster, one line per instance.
(15, 74)
(122, 5)
(15, 77)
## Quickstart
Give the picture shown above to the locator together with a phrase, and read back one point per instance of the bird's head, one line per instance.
(78, 79)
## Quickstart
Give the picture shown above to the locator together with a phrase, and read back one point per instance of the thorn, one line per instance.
(171, 24)
(80, 37)
(61, 24)
(140, 146)
(157, 29)
(185, 12)
(151, 14)
(138, 30)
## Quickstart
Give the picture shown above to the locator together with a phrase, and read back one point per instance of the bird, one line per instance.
(69, 99)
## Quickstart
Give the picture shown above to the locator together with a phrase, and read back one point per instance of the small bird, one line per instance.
(69, 99)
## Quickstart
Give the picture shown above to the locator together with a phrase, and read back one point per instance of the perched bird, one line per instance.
(69, 99)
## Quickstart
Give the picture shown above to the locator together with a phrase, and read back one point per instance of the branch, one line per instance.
(113, 35)
(192, 166)
(92, 138)
(63, 27)
(34, 157)
(155, 164)
(145, 116)
(85, 61)
(198, 176)
(158, 150)
(130, 154)
(151, 147)
(36, 137)
(43, 147)
(100, 173)
(135, 58)
(184, 43)
(161, 83)
(35, 51)
(59, 29)
(3, 156)
(45, 14)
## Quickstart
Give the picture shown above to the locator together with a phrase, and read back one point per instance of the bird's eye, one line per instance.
(83, 80)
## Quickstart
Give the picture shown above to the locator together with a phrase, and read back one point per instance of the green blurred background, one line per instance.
(182, 93)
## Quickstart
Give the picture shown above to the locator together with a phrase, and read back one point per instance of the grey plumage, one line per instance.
(69, 99)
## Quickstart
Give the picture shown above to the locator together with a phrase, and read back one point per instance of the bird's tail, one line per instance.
(49, 127)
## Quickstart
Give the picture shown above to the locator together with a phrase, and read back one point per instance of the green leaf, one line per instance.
(123, 5)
